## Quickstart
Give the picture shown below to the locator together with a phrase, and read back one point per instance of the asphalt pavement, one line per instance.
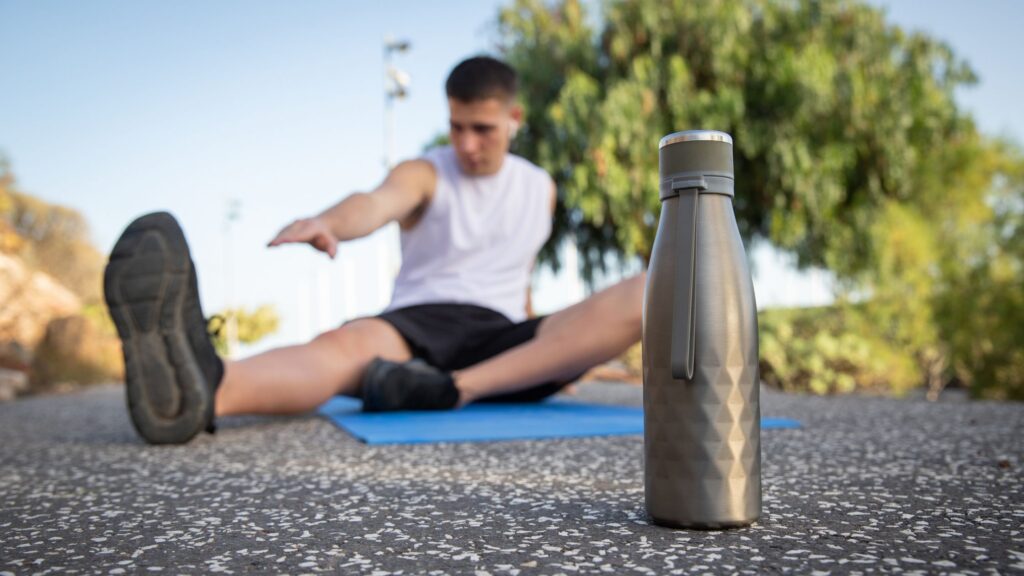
(869, 485)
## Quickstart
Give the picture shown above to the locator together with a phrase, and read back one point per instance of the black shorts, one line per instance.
(457, 336)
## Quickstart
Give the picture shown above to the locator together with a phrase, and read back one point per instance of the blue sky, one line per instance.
(119, 108)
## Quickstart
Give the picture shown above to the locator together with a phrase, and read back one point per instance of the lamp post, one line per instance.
(233, 213)
(396, 87)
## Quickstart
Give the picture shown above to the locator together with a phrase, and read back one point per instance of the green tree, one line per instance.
(850, 153)
(978, 297)
(830, 108)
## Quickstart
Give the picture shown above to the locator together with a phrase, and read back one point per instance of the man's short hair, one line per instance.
(480, 78)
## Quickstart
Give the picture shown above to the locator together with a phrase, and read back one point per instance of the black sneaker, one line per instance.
(390, 386)
(171, 367)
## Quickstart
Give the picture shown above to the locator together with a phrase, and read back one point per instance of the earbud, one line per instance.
(513, 127)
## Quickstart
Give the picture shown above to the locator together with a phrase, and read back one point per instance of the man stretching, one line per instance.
(472, 217)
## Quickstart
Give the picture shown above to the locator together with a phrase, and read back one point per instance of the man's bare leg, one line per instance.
(296, 379)
(567, 343)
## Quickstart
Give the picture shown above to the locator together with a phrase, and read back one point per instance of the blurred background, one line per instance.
(879, 174)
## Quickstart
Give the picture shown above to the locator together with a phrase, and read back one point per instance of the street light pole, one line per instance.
(232, 215)
(396, 87)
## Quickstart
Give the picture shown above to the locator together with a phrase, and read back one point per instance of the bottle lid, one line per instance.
(690, 135)
(691, 153)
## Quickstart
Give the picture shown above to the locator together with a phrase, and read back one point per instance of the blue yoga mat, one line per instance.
(555, 418)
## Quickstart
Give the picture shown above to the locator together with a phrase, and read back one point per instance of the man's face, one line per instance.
(480, 132)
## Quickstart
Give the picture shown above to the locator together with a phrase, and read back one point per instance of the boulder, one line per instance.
(12, 383)
(29, 300)
(76, 350)
(14, 356)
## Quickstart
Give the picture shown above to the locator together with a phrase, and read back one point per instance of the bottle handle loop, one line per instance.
(684, 305)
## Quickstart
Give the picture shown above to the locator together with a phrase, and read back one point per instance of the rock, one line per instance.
(14, 356)
(30, 301)
(12, 383)
(76, 350)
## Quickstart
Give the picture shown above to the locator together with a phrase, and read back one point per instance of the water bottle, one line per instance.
(702, 444)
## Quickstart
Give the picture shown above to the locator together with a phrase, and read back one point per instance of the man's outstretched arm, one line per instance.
(407, 187)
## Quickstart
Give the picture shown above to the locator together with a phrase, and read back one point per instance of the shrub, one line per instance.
(828, 350)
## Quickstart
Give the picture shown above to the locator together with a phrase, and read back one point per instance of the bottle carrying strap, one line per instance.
(685, 294)
(688, 187)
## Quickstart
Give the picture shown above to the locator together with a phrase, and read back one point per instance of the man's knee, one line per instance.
(364, 339)
(342, 340)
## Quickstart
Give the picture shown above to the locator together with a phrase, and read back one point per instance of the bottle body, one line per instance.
(701, 433)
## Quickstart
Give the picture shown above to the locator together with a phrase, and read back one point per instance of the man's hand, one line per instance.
(407, 187)
(312, 231)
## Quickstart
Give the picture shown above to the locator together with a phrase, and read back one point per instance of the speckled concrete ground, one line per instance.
(868, 486)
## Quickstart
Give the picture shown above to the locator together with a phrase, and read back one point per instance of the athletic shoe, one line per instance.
(390, 386)
(171, 368)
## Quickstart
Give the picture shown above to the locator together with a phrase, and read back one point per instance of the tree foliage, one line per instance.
(830, 107)
(48, 237)
(830, 350)
(851, 153)
(978, 289)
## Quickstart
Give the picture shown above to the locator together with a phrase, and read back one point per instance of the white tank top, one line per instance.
(478, 237)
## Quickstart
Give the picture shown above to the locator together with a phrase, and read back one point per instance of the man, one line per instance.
(472, 217)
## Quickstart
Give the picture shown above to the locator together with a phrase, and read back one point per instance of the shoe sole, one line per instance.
(145, 285)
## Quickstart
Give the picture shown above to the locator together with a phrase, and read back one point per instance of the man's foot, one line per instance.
(390, 386)
(171, 367)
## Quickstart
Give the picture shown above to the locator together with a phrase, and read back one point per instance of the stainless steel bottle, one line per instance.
(702, 443)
